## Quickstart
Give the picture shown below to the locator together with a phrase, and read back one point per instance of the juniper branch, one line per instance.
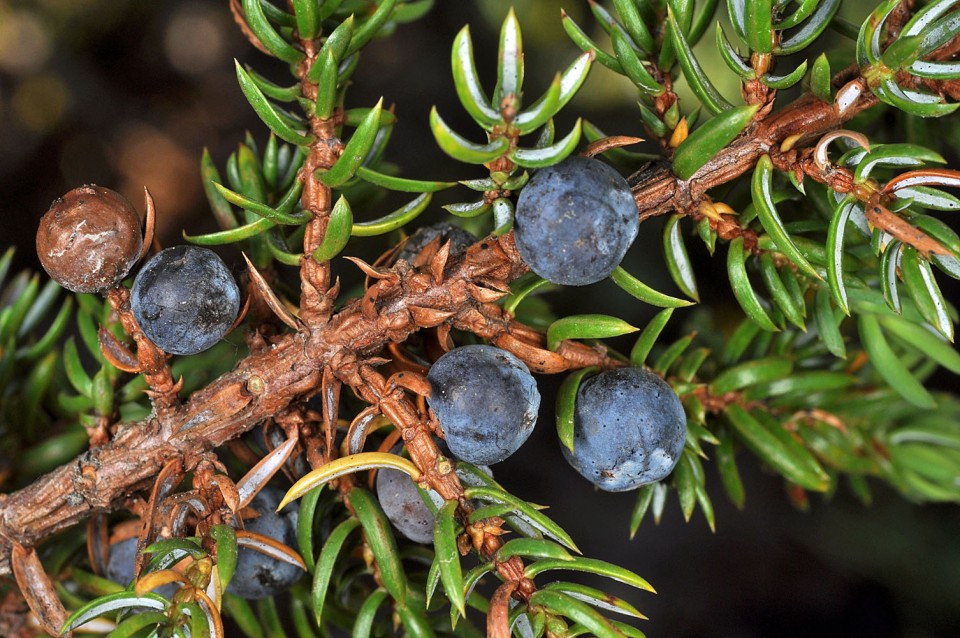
(403, 301)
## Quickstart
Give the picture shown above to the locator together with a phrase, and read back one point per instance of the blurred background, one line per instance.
(127, 94)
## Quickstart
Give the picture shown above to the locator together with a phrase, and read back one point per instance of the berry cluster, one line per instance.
(184, 298)
(574, 223)
(349, 373)
(630, 426)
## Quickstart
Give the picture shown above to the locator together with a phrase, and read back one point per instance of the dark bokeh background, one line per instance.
(126, 94)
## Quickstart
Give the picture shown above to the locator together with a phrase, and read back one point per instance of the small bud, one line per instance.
(255, 385)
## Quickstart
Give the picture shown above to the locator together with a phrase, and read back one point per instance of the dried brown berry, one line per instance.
(89, 239)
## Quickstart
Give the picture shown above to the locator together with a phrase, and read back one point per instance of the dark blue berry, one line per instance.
(575, 221)
(486, 401)
(257, 575)
(459, 239)
(629, 429)
(403, 505)
(123, 562)
(185, 299)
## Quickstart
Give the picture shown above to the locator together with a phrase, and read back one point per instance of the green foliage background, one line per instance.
(116, 109)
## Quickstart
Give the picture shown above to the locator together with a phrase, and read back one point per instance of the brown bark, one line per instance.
(260, 386)
(658, 191)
